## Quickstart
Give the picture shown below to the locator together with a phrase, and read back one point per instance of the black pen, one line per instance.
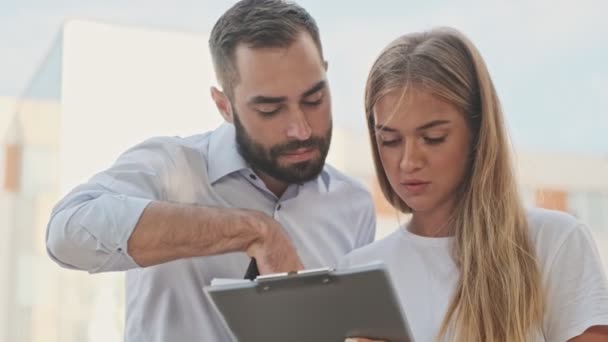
(252, 270)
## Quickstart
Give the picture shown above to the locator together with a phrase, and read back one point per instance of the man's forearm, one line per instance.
(168, 231)
(97, 234)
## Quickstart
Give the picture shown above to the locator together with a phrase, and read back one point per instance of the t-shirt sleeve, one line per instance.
(577, 289)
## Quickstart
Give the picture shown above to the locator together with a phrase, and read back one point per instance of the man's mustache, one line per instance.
(292, 146)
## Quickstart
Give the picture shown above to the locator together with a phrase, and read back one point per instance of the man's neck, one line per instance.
(275, 186)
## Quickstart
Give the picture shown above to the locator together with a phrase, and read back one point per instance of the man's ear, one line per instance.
(222, 103)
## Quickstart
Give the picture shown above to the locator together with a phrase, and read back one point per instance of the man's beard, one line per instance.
(267, 160)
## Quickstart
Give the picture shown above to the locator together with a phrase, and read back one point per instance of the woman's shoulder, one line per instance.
(574, 279)
(545, 223)
(552, 231)
(377, 250)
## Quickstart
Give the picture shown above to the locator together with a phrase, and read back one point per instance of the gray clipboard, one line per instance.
(315, 305)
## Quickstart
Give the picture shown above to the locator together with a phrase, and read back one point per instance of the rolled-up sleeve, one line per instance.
(90, 227)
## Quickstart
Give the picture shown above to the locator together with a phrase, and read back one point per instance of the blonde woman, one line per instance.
(471, 264)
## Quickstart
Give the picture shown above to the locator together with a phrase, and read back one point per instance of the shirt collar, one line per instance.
(224, 157)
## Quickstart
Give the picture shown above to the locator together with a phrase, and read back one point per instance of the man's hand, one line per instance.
(274, 252)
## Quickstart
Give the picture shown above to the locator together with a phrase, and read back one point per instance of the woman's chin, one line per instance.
(417, 206)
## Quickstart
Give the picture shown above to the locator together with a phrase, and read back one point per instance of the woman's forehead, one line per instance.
(411, 107)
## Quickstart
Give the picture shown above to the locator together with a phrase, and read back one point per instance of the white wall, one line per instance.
(122, 85)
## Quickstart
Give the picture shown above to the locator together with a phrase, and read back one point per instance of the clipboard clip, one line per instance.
(272, 281)
(283, 275)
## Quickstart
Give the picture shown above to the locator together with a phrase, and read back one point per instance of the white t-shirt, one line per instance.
(425, 276)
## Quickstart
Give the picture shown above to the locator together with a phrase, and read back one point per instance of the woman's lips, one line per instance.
(415, 187)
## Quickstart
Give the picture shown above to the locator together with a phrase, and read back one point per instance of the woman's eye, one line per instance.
(434, 141)
(392, 142)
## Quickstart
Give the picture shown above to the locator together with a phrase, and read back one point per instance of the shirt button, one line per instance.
(278, 207)
(252, 176)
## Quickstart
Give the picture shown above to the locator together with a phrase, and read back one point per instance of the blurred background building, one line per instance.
(103, 87)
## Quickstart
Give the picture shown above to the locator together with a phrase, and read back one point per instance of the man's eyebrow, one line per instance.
(320, 85)
(432, 124)
(260, 99)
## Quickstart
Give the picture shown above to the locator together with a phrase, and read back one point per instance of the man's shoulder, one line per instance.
(191, 141)
(174, 144)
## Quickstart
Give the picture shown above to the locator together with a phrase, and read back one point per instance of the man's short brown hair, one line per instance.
(259, 24)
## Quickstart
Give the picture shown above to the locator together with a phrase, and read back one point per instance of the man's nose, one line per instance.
(298, 128)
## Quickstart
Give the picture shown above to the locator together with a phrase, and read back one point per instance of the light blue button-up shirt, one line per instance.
(89, 228)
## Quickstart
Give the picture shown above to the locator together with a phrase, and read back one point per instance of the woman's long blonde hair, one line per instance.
(499, 294)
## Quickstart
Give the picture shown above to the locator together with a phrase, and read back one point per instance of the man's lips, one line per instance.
(299, 155)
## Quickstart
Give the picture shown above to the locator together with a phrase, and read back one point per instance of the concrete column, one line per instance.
(11, 185)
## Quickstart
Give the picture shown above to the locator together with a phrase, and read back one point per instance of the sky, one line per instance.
(547, 58)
